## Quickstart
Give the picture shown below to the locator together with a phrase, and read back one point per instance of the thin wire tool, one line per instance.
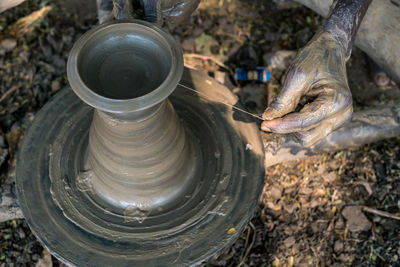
(222, 102)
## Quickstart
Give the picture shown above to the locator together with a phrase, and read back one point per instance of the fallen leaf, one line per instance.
(231, 231)
(288, 242)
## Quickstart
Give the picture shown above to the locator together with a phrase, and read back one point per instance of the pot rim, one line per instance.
(121, 106)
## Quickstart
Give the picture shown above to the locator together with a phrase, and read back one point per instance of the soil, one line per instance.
(335, 209)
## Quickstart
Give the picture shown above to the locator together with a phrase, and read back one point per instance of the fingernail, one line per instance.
(265, 115)
(265, 128)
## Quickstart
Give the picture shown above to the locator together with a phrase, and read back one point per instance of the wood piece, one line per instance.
(381, 213)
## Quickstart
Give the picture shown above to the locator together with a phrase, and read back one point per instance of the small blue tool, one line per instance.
(260, 74)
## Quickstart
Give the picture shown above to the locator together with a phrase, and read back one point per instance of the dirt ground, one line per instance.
(336, 209)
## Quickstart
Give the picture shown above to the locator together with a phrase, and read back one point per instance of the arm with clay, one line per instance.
(319, 72)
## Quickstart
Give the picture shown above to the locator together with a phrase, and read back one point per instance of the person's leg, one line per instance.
(104, 8)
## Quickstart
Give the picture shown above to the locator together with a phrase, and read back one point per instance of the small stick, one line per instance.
(220, 101)
(251, 245)
(202, 57)
(381, 213)
(243, 257)
(9, 92)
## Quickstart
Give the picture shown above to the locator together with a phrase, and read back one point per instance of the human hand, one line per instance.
(318, 72)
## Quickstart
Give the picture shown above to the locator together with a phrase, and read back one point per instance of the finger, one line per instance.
(289, 97)
(324, 106)
(313, 136)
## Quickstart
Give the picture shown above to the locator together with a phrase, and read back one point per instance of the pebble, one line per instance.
(338, 246)
(35, 257)
(21, 234)
(55, 86)
(289, 241)
(329, 177)
(356, 220)
(275, 193)
(8, 44)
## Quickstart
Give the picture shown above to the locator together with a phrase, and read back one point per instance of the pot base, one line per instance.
(80, 228)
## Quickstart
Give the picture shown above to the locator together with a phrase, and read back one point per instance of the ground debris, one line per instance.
(8, 44)
(356, 220)
(45, 260)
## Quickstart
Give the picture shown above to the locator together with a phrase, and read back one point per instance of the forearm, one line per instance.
(344, 19)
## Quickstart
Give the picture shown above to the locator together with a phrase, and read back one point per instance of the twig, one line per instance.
(8, 93)
(242, 257)
(381, 213)
(315, 256)
(373, 251)
(202, 57)
(189, 66)
(27, 24)
(249, 247)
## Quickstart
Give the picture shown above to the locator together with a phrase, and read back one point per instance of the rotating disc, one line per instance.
(79, 229)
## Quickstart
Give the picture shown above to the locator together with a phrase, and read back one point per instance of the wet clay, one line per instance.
(147, 164)
(142, 181)
(141, 160)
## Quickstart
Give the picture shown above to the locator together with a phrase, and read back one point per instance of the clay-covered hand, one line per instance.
(318, 72)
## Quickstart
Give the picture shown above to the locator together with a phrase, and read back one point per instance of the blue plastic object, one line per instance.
(260, 74)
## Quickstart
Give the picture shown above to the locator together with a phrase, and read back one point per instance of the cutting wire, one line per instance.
(201, 94)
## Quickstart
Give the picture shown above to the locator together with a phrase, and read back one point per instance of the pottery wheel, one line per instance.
(79, 229)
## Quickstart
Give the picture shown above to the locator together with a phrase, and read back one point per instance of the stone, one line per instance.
(338, 246)
(356, 220)
(8, 44)
(290, 241)
(329, 177)
(275, 193)
(55, 86)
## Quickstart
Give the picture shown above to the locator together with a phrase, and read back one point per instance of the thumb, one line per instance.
(288, 99)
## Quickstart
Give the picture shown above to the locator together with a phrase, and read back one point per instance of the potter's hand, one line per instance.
(319, 72)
